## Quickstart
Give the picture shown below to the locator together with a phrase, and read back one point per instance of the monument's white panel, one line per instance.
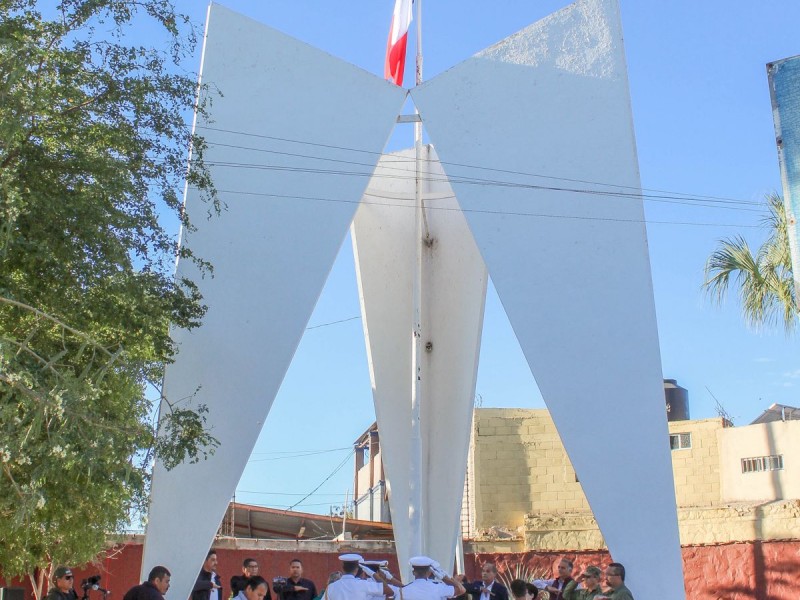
(282, 107)
(565, 243)
(454, 289)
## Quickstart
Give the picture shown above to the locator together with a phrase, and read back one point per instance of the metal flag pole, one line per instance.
(416, 495)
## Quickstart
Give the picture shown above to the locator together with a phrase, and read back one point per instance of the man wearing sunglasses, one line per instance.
(62, 585)
(615, 580)
(590, 580)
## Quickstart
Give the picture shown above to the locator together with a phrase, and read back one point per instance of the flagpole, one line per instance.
(416, 495)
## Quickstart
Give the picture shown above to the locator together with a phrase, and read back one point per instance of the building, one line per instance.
(731, 483)
(371, 500)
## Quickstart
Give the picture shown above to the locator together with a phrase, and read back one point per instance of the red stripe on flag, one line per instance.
(396, 60)
(396, 46)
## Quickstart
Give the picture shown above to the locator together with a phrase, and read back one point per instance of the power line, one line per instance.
(303, 450)
(299, 455)
(336, 470)
(333, 323)
(462, 165)
(491, 212)
(436, 178)
(285, 493)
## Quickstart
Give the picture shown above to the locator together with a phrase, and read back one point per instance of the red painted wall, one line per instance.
(740, 571)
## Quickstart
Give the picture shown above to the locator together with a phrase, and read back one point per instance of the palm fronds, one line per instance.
(763, 280)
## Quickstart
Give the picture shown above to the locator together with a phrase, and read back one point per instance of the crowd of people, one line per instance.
(361, 579)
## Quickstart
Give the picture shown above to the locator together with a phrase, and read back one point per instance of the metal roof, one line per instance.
(778, 412)
(249, 521)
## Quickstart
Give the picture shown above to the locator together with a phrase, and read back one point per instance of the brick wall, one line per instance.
(738, 571)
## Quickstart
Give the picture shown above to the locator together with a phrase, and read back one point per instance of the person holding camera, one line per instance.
(294, 587)
(154, 588)
(61, 589)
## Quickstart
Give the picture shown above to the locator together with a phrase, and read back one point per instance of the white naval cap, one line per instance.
(351, 558)
(377, 563)
(421, 561)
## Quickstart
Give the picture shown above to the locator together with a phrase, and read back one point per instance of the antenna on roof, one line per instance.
(720, 408)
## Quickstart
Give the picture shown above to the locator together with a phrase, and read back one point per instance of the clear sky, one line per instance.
(704, 126)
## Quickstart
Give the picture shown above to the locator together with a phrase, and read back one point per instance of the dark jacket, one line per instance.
(499, 591)
(202, 587)
(285, 591)
(55, 594)
(144, 591)
(560, 594)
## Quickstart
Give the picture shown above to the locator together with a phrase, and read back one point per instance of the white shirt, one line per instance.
(214, 594)
(542, 583)
(425, 589)
(350, 588)
(486, 595)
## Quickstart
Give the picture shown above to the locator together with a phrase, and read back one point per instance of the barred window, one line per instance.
(680, 441)
(757, 464)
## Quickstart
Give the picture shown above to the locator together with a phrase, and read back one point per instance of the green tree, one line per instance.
(93, 145)
(763, 281)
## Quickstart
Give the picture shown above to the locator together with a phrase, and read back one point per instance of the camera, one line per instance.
(91, 583)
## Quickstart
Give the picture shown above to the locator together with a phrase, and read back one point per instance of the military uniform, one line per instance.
(350, 588)
(621, 593)
(425, 589)
(570, 593)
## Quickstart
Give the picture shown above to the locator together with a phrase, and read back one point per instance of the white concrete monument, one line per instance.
(536, 137)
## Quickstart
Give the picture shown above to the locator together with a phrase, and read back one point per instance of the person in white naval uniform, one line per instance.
(425, 588)
(349, 587)
(370, 566)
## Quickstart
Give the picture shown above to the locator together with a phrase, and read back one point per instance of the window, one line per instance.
(762, 463)
(680, 441)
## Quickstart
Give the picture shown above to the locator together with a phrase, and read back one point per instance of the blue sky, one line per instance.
(704, 126)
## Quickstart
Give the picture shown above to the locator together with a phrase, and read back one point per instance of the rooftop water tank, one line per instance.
(677, 401)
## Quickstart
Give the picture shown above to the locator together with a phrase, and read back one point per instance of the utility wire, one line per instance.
(299, 455)
(462, 165)
(491, 212)
(324, 481)
(300, 451)
(436, 178)
(286, 493)
(333, 323)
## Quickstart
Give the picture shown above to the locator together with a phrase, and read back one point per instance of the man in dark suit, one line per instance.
(208, 585)
(488, 588)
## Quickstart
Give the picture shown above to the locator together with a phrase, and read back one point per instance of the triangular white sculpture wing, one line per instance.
(564, 240)
(283, 107)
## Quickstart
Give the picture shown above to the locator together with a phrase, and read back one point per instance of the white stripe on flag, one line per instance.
(396, 46)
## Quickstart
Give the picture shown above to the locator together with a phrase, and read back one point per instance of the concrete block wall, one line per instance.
(697, 469)
(520, 467)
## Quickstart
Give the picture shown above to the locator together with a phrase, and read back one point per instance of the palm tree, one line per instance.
(764, 281)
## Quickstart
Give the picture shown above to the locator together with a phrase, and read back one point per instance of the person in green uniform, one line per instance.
(615, 580)
(590, 578)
